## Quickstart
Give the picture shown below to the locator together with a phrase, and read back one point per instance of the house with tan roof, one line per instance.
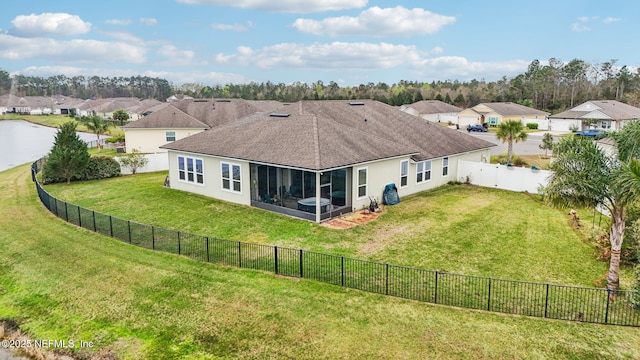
(433, 110)
(318, 159)
(595, 114)
(495, 113)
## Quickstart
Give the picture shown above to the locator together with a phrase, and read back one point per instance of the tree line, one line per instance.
(553, 86)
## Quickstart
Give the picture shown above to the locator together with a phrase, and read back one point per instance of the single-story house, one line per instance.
(184, 118)
(433, 110)
(495, 113)
(159, 128)
(319, 159)
(595, 114)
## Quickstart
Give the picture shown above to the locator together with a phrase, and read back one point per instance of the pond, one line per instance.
(22, 142)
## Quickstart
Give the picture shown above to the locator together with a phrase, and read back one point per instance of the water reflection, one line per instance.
(22, 142)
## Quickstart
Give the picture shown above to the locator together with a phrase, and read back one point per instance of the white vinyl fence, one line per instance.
(503, 177)
(157, 162)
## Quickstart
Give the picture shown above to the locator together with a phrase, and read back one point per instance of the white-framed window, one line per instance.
(191, 170)
(362, 182)
(404, 173)
(606, 124)
(445, 166)
(423, 171)
(231, 177)
(170, 135)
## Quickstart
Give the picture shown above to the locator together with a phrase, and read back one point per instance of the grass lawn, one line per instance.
(55, 121)
(461, 229)
(61, 282)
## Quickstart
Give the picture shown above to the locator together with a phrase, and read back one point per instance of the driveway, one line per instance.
(531, 146)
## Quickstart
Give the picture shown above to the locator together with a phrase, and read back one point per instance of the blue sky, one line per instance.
(350, 42)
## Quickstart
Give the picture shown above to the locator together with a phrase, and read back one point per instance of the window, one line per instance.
(404, 173)
(170, 135)
(362, 182)
(445, 166)
(231, 177)
(493, 120)
(606, 124)
(423, 171)
(190, 170)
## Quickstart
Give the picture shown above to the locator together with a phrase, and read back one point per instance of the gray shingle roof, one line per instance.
(216, 112)
(434, 107)
(168, 117)
(614, 109)
(319, 135)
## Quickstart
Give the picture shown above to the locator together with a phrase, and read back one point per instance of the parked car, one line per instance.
(592, 133)
(476, 127)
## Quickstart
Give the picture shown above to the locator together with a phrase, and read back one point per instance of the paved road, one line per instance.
(531, 146)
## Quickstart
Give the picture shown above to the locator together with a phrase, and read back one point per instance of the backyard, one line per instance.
(61, 282)
(460, 229)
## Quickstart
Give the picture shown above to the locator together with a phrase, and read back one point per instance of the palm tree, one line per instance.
(96, 125)
(510, 131)
(584, 175)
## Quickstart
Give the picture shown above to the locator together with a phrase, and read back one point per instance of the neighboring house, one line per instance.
(160, 128)
(495, 113)
(178, 97)
(319, 159)
(179, 119)
(595, 114)
(433, 110)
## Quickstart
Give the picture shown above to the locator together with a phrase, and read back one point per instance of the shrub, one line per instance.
(115, 139)
(573, 127)
(635, 297)
(532, 126)
(101, 167)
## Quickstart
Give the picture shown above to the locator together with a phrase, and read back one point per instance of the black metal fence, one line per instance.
(507, 296)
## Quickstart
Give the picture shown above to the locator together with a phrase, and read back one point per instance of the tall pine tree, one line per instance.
(69, 156)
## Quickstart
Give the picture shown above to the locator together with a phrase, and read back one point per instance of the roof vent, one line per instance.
(200, 100)
(356, 103)
(279, 115)
(223, 100)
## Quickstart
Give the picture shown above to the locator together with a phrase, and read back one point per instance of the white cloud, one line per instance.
(118, 22)
(233, 27)
(581, 25)
(609, 20)
(286, 6)
(149, 21)
(60, 24)
(460, 68)
(123, 36)
(71, 51)
(334, 56)
(174, 57)
(397, 21)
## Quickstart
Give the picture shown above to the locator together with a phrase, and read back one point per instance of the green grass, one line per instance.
(461, 229)
(61, 282)
(55, 121)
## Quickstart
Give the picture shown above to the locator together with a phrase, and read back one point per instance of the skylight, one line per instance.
(278, 115)
(356, 103)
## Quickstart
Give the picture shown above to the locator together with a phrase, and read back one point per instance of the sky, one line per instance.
(350, 42)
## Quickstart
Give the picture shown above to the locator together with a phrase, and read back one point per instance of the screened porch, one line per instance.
(295, 192)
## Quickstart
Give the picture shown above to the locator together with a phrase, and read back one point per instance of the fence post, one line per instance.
(386, 291)
(606, 315)
(342, 267)
(129, 227)
(301, 273)
(489, 297)
(79, 216)
(93, 213)
(546, 302)
(55, 201)
(179, 250)
(153, 237)
(208, 249)
(239, 254)
(275, 259)
(66, 212)
(435, 295)
(110, 225)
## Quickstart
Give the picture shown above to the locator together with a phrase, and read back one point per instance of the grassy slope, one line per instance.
(61, 282)
(461, 229)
